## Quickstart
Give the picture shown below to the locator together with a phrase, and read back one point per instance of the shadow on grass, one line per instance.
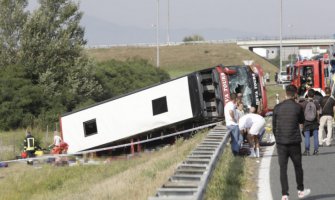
(227, 179)
(233, 181)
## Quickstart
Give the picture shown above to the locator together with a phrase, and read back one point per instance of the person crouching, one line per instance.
(252, 124)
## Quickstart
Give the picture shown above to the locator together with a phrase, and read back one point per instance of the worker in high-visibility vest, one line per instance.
(29, 145)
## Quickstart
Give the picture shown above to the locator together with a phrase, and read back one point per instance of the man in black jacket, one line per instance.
(285, 123)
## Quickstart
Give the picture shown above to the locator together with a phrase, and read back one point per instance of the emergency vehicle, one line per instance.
(311, 74)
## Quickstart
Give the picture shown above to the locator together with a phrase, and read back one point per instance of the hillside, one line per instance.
(179, 60)
(183, 59)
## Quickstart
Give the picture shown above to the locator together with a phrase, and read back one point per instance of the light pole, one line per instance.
(280, 36)
(157, 35)
(290, 26)
(168, 23)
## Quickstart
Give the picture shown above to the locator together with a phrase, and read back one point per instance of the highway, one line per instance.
(319, 174)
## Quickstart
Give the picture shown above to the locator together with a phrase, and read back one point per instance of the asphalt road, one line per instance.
(319, 174)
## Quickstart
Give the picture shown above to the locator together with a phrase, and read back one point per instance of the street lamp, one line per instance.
(280, 36)
(157, 35)
(290, 26)
(168, 23)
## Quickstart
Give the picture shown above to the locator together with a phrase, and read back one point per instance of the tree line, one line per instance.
(44, 70)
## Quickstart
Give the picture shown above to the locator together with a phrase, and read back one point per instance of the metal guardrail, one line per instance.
(191, 176)
(225, 41)
(114, 147)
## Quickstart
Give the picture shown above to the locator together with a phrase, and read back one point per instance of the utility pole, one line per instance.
(157, 35)
(168, 23)
(280, 36)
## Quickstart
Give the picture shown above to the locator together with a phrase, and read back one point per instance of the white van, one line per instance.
(282, 77)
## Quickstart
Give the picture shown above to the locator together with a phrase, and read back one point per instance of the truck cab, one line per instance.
(310, 74)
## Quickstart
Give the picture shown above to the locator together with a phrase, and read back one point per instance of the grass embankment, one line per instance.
(183, 59)
(11, 142)
(233, 178)
(136, 178)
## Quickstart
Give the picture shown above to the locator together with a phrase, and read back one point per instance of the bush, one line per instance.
(193, 38)
(117, 77)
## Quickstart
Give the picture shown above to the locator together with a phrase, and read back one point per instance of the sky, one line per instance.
(109, 22)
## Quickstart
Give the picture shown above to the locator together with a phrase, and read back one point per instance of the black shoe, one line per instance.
(306, 153)
(316, 152)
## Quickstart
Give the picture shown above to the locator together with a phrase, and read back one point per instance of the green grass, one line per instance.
(183, 59)
(233, 178)
(136, 178)
(11, 142)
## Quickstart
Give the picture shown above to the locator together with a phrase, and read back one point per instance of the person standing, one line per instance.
(231, 123)
(287, 116)
(239, 111)
(328, 108)
(59, 146)
(311, 109)
(57, 139)
(29, 144)
(252, 124)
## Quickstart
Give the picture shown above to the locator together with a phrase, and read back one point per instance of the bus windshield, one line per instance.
(243, 82)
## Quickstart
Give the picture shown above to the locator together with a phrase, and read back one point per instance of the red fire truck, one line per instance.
(307, 74)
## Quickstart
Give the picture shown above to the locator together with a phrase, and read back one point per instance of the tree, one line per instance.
(52, 39)
(20, 100)
(193, 38)
(52, 53)
(12, 19)
(51, 74)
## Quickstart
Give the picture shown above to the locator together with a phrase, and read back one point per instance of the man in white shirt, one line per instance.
(57, 139)
(232, 126)
(253, 124)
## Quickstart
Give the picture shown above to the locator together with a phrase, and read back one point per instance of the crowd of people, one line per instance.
(293, 119)
(30, 146)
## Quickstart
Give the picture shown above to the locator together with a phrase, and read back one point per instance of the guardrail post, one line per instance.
(138, 146)
(277, 98)
(132, 149)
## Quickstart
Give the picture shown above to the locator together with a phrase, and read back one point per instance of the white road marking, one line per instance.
(264, 188)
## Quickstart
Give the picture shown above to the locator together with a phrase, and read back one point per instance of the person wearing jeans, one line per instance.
(315, 135)
(231, 123)
(236, 138)
(312, 126)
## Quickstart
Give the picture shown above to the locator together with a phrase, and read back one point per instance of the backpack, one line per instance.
(310, 111)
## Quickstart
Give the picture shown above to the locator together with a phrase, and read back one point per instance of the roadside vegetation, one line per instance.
(121, 178)
(45, 72)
